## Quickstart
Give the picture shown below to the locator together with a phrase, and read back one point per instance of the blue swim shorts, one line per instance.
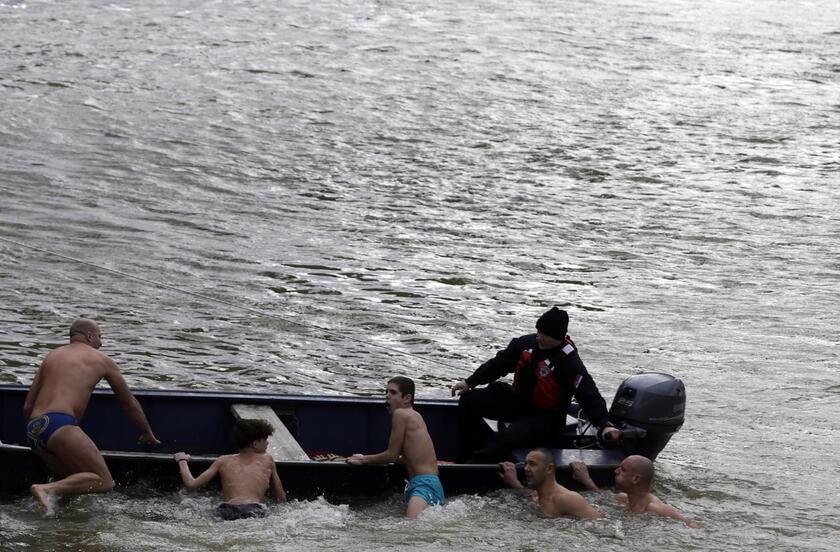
(40, 428)
(427, 486)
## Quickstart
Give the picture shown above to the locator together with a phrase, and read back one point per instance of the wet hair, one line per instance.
(246, 431)
(405, 385)
(548, 456)
(82, 326)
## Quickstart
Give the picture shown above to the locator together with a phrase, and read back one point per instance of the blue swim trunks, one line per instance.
(40, 428)
(427, 486)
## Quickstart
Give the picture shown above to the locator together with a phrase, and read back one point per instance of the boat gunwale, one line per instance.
(247, 395)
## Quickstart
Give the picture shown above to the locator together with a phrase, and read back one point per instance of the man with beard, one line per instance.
(554, 499)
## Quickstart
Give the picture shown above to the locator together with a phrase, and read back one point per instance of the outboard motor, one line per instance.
(648, 408)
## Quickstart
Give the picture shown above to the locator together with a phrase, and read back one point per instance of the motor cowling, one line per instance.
(649, 408)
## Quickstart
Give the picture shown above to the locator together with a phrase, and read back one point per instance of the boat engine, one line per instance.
(648, 408)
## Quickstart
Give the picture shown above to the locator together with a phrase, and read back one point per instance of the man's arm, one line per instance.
(580, 473)
(29, 402)
(129, 403)
(500, 365)
(191, 483)
(590, 399)
(460, 387)
(508, 475)
(662, 509)
(277, 485)
(395, 443)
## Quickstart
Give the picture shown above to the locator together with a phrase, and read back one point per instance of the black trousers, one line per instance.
(499, 401)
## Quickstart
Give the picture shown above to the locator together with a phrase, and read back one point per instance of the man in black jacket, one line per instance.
(547, 373)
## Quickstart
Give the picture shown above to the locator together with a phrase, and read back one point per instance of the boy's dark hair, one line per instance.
(405, 385)
(246, 431)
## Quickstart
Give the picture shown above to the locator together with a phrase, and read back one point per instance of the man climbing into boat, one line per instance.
(245, 476)
(547, 373)
(55, 404)
(633, 477)
(554, 499)
(411, 444)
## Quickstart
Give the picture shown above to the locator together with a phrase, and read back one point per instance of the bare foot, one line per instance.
(43, 497)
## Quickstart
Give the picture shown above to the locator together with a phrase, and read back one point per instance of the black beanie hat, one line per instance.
(554, 323)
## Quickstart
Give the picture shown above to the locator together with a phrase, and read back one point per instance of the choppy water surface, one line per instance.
(345, 181)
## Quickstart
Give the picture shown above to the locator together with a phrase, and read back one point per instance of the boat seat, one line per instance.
(281, 444)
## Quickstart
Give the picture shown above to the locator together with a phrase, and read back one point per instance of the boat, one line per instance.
(648, 408)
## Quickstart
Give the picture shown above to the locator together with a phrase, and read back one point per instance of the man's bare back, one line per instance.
(417, 450)
(67, 378)
(245, 476)
(57, 401)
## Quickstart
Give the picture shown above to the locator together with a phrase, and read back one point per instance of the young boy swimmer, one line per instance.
(245, 476)
(409, 441)
(554, 499)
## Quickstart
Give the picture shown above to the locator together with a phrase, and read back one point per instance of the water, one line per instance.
(369, 179)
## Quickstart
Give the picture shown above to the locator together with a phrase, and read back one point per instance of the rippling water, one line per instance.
(348, 190)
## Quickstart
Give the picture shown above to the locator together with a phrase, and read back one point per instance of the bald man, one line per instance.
(57, 401)
(554, 499)
(633, 477)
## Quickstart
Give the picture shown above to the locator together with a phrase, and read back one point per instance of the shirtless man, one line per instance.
(410, 443)
(554, 499)
(633, 477)
(57, 401)
(245, 476)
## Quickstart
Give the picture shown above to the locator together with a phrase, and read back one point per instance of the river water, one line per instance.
(312, 196)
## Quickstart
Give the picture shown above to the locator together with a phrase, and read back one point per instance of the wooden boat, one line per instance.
(199, 423)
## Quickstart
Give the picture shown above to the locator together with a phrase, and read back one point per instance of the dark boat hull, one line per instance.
(199, 423)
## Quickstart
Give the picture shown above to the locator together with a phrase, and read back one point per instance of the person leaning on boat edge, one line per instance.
(55, 404)
(411, 444)
(553, 499)
(547, 373)
(245, 476)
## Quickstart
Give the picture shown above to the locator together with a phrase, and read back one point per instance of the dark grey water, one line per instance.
(345, 181)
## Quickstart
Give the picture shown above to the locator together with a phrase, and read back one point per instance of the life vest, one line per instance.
(537, 379)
